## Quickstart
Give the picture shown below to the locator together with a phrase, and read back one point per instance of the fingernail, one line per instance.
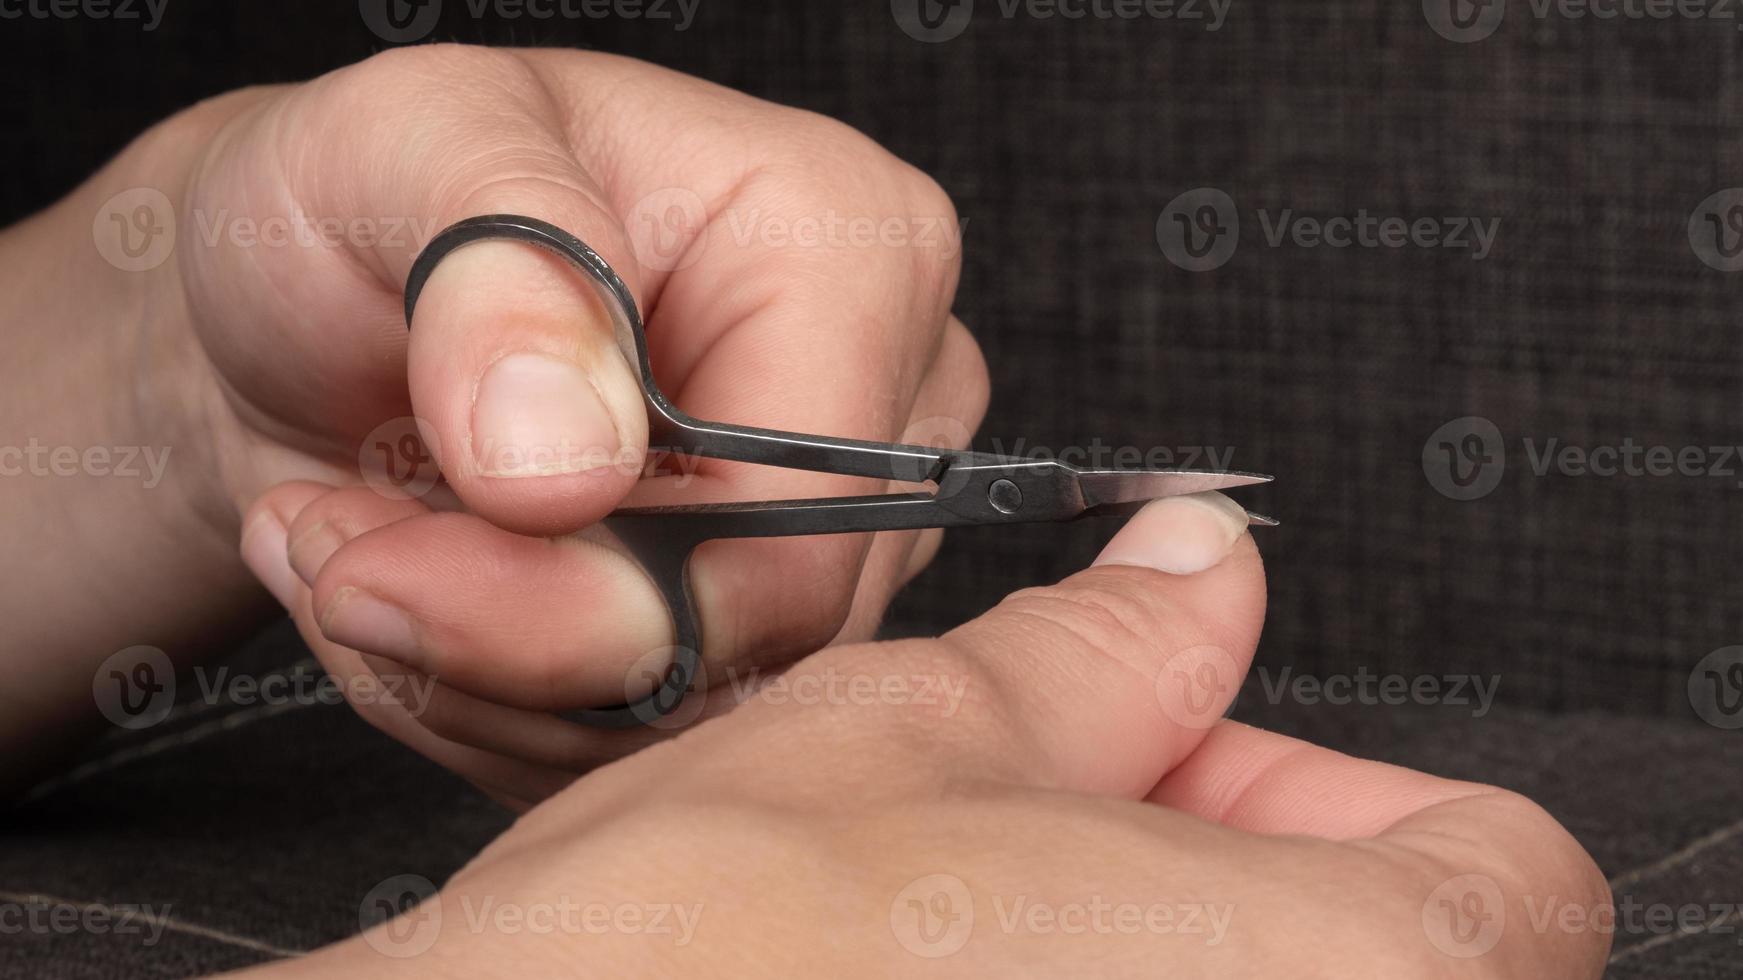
(358, 620)
(264, 552)
(1179, 535)
(539, 416)
(311, 550)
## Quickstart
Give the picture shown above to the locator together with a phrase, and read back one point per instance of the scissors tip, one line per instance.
(1105, 489)
(1260, 520)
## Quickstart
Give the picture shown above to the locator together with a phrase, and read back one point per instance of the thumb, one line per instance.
(1100, 684)
(537, 415)
(1110, 678)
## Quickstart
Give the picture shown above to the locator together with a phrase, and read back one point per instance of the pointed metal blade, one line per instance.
(1260, 520)
(1112, 488)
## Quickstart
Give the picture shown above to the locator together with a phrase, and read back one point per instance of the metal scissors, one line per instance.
(972, 488)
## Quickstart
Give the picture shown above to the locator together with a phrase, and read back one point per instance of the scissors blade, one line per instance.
(1104, 490)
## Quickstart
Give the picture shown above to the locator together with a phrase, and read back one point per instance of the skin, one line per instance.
(274, 372)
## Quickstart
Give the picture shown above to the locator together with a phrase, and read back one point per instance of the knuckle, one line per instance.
(827, 143)
(339, 509)
(823, 161)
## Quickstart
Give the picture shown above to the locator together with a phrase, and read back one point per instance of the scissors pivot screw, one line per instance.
(1005, 496)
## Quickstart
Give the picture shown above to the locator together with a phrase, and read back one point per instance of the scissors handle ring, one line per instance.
(666, 562)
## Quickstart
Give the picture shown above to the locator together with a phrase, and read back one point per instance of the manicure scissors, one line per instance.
(971, 488)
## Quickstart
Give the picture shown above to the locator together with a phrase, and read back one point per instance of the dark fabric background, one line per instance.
(1593, 321)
